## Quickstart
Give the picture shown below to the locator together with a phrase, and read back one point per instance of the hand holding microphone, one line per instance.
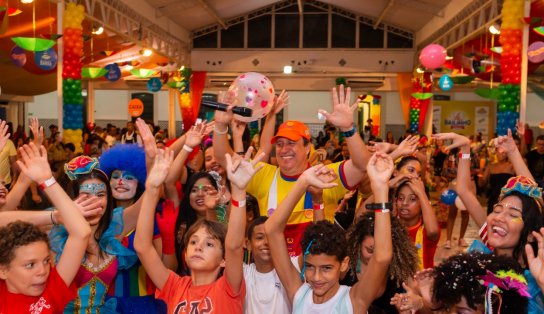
(241, 111)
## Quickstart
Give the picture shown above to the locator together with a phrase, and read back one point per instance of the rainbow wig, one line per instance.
(125, 157)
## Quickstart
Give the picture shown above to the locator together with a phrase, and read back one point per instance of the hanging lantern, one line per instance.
(93, 73)
(33, 44)
(143, 73)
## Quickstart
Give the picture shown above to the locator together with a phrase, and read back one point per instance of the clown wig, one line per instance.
(125, 157)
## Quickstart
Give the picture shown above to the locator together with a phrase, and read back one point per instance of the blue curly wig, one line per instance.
(125, 157)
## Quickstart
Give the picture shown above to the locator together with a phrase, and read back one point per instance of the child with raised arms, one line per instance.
(214, 256)
(317, 287)
(29, 283)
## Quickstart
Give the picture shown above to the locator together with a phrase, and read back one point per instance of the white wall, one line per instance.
(303, 106)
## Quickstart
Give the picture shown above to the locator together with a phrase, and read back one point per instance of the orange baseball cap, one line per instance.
(292, 130)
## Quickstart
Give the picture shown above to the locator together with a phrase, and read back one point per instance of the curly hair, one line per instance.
(405, 261)
(125, 157)
(16, 235)
(460, 276)
(328, 239)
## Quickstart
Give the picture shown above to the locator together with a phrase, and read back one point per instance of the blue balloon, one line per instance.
(448, 197)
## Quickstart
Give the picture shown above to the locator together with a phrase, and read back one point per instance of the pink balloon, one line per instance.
(255, 91)
(433, 56)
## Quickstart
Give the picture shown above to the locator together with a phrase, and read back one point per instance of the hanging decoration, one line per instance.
(46, 60)
(33, 44)
(114, 72)
(445, 82)
(143, 73)
(71, 73)
(509, 90)
(184, 80)
(421, 86)
(154, 84)
(433, 56)
(190, 94)
(18, 56)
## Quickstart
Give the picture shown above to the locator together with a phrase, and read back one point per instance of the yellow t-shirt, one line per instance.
(260, 186)
(5, 164)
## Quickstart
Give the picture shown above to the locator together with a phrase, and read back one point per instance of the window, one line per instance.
(206, 41)
(233, 37)
(397, 41)
(343, 32)
(259, 32)
(287, 31)
(370, 37)
(315, 30)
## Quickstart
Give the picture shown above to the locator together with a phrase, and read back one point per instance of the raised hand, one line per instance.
(319, 177)
(380, 147)
(224, 117)
(409, 302)
(342, 115)
(238, 127)
(150, 146)
(408, 146)
(4, 135)
(34, 163)
(89, 205)
(37, 131)
(505, 144)
(280, 102)
(160, 168)
(380, 168)
(194, 136)
(241, 170)
(416, 184)
(520, 128)
(536, 263)
(458, 140)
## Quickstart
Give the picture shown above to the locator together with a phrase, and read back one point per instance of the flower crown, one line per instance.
(503, 281)
(524, 186)
(81, 165)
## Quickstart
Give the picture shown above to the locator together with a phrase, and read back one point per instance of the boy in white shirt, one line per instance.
(264, 291)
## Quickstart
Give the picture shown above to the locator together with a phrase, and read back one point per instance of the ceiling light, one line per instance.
(287, 69)
(129, 67)
(146, 52)
(495, 29)
(449, 58)
(420, 70)
(27, 1)
(98, 31)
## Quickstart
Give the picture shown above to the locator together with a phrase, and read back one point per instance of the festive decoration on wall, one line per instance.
(255, 91)
(71, 73)
(509, 90)
(445, 82)
(420, 100)
(375, 112)
(190, 95)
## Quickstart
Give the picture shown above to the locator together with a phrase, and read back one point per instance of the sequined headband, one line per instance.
(524, 186)
(81, 165)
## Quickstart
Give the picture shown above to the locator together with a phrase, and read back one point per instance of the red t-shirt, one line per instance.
(429, 246)
(182, 297)
(53, 299)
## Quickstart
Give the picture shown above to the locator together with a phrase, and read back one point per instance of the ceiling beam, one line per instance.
(384, 12)
(204, 4)
(300, 6)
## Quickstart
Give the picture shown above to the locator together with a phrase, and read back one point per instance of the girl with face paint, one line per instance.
(518, 212)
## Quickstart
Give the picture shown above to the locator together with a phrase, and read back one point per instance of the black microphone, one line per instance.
(241, 111)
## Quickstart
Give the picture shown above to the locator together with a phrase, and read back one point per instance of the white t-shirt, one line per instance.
(264, 292)
(303, 302)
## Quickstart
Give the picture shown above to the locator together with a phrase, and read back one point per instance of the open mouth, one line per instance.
(501, 232)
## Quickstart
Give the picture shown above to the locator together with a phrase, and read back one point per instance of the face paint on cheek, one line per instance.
(92, 188)
(517, 220)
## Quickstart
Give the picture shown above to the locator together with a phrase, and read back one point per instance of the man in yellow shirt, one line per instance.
(272, 183)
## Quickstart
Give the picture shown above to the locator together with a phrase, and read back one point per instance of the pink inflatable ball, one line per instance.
(433, 56)
(255, 91)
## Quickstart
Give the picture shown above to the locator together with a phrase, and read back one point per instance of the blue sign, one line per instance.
(114, 72)
(445, 83)
(154, 84)
(46, 60)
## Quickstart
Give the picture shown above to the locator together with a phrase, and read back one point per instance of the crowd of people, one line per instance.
(216, 222)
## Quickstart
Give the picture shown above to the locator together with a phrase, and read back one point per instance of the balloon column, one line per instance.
(420, 100)
(71, 73)
(509, 90)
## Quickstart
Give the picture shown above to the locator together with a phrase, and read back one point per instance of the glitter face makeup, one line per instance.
(123, 185)
(92, 188)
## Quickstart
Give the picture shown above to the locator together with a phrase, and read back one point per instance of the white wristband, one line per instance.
(187, 148)
(220, 132)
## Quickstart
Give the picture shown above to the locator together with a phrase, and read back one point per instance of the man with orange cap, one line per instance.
(272, 183)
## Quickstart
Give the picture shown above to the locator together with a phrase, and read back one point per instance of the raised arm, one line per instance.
(274, 226)
(265, 143)
(148, 139)
(239, 171)
(507, 145)
(463, 176)
(429, 218)
(380, 168)
(35, 166)
(220, 134)
(342, 117)
(143, 241)
(4, 135)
